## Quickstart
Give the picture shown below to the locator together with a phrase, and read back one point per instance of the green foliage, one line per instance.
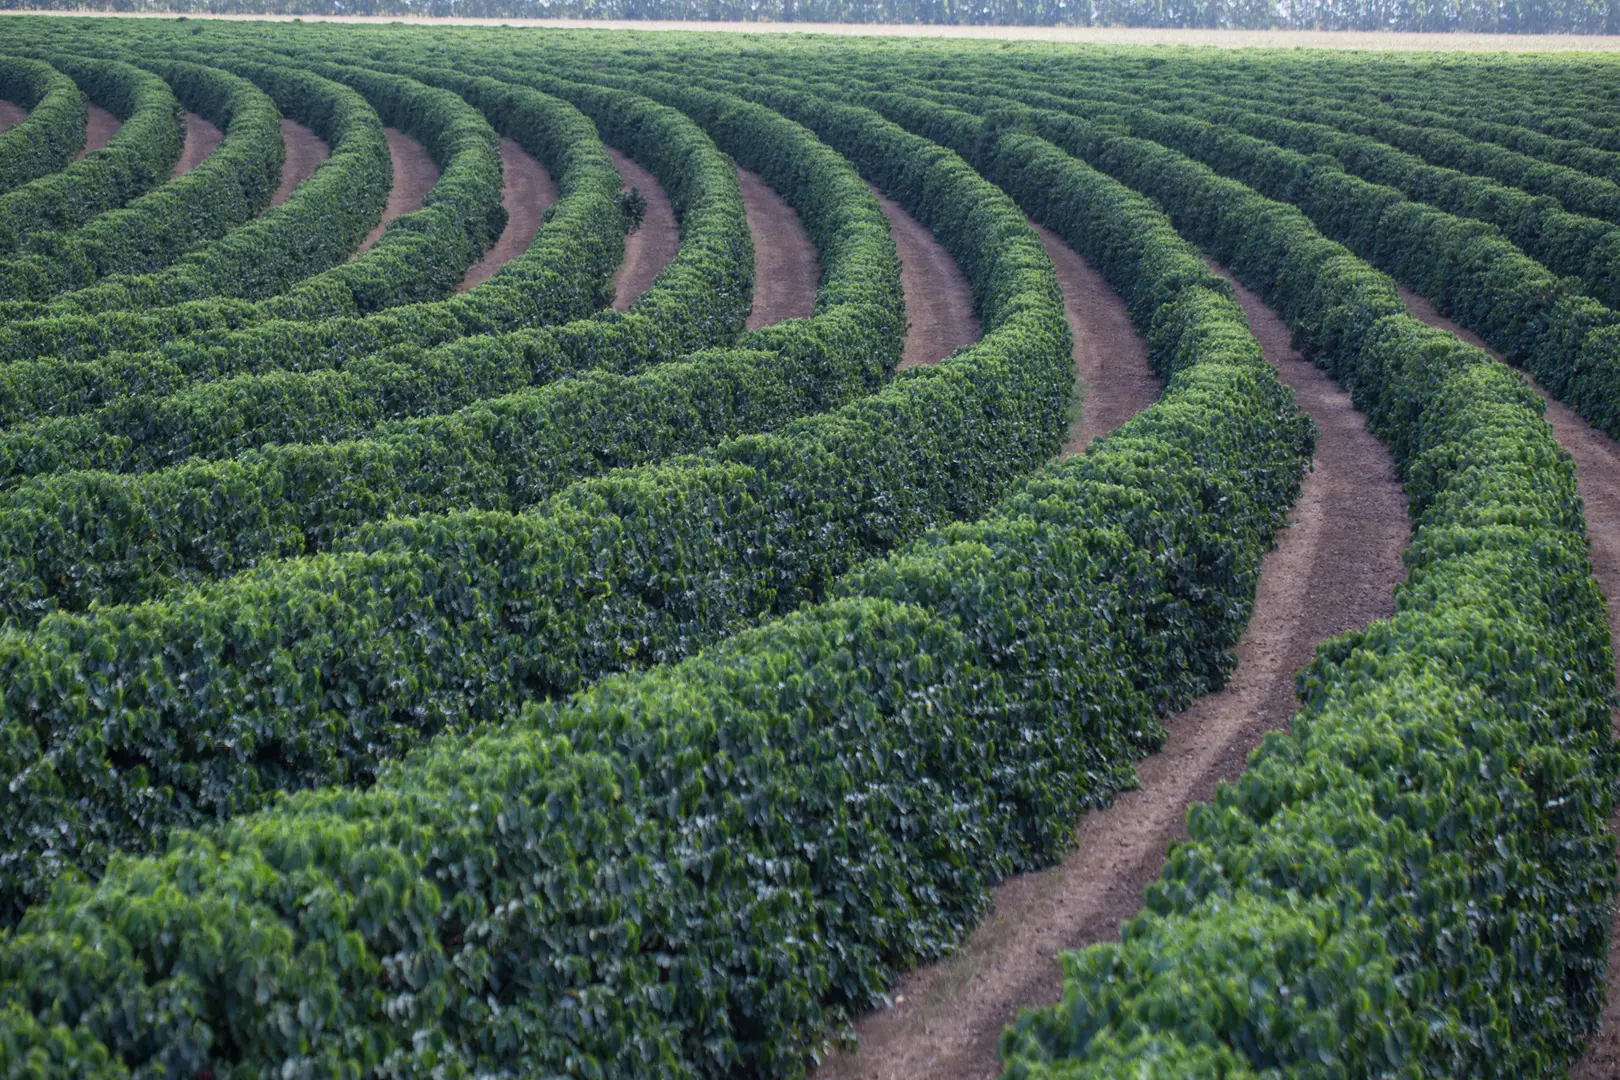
(235, 183)
(139, 156)
(52, 132)
(731, 851)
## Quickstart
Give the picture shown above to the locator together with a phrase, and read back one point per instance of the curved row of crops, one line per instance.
(400, 683)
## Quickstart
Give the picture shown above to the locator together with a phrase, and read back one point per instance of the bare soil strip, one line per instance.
(414, 176)
(1597, 478)
(647, 250)
(201, 139)
(99, 128)
(939, 303)
(11, 114)
(305, 150)
(526, 191)
(1110, 357)
(1334, 569)
(786, 266)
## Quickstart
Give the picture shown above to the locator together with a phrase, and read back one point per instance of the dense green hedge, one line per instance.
(52, 132)
(1415, 881)
(1570, 342)
(422, 256)
(81, 537)
(235, 183)
(566, 273)
(141, 154)
(1572, 244)
(420, 623)
(323, 220)
(715, 861)
(699, 299)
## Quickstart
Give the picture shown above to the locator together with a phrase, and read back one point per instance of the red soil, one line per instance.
(650, 248)
(1334, 569)
(939, 303)
(11, 114)
(201, 139)
(526, 191)
(786, 267)
(99, 128)
(414, 176)
(305, 150)
(1110, 357)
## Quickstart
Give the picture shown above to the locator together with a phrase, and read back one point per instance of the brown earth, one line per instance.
(939, 303)
(201, 139)
(415, 173)
(526, 191)
(786, 267)
(11, 114)
(647, 250)
(99, 128)
(305, 150)
(1335, 568)
(1597, 477)
(1110, 357)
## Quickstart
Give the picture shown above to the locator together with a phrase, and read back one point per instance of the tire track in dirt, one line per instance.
(415, 173)
(939, 303)
(305, 150)
(647, 250)
(1334, 569)
(201, 139)
(99, 128)
(527, 190)
(11, 114)
(787, 268)
(1597, 478)
(1110, 357)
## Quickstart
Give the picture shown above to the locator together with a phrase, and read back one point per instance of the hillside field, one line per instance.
(602, 553)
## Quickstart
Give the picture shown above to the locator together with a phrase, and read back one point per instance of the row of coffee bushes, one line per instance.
(235, 183)
(460, 217)
(700, 299)
(701, 870)
(53, 130)
(81, 537)
(565, 274)
(1416, 880)
(1522, 98)
(322, 221)
(1566, 243)
(1309, 96)
(138, 157)
(1577, 191)
(314, 671)
(1573, 244)
(1569, 342)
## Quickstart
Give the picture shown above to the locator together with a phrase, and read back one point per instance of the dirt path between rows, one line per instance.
(11, 114)
(1597, 477)
(1110, 357)
(99, 128)
(1334, 569)
(647, 250)
(305, 150)
(201, 139)
(787, 268)
(939, 304)
(415, 173)
(527, 190)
